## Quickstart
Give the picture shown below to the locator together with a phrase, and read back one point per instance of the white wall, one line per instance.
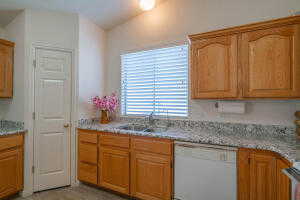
(172, 21)
(92, 49)
(61, 30)
(2, 33)
(13, 109)
(53, 29)
(31, 27)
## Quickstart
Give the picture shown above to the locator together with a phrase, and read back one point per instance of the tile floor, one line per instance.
(81, 192)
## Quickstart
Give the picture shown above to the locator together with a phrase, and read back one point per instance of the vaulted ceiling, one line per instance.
(105, 13)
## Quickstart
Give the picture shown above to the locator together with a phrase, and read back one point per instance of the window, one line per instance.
(155, 81)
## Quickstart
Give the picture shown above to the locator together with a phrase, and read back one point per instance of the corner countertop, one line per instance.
(283, 144)
(11, 127)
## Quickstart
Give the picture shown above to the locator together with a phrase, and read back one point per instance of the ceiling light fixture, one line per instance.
(147, 4)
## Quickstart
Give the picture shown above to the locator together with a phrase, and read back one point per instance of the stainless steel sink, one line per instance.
(143, 128)
(156, 130)
(133, 127)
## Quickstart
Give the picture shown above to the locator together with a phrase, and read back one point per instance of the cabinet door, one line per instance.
(214, 68)
(262, 177)
(6, 71)
(283, 182)
(87, 162)
(88, 173)
(151, 176)
(114, 169)
(11, 172)
(243, 168)
(270, 61)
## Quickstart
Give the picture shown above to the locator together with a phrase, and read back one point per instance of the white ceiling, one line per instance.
(105, 13)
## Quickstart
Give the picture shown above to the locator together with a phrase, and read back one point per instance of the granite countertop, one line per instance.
(274, 138)
(11, 127)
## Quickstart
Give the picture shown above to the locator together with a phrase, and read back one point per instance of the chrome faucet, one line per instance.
(168, 120)
(150, 119)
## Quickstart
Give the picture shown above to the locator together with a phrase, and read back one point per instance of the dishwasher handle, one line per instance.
(191, 145)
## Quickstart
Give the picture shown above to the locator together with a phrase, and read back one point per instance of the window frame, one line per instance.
(188, 82)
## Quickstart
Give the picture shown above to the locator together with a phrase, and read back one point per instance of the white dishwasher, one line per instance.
(205, 172)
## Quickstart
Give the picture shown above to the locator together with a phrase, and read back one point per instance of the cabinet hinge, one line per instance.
(171, 164)
(33, 115)
(33, 169)
(34, 63)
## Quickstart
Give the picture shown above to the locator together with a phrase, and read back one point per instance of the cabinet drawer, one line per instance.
(88, 153)
(87, 173)
(159, 146)
(8, 142)
(87, 137)
(114, 140)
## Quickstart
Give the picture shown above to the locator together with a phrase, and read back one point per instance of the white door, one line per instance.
(52, 124)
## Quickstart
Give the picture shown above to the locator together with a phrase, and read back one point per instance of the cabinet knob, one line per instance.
(66, 125)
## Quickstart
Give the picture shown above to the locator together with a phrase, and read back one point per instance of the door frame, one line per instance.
(30, 108)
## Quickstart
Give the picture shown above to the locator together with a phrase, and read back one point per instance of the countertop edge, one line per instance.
(14, 132)
(157, 135)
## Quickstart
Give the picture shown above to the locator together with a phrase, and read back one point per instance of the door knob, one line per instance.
(66, 125)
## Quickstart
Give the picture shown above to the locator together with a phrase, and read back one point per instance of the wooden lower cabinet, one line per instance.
(151, 176)
(114, 169)
(88, 173)
(260, 176)
(139, 167)
(142, 167)
(88, 157)
(11, 165)
(283, 182)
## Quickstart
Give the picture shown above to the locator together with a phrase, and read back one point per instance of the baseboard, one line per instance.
(75, 183)
(26, 193)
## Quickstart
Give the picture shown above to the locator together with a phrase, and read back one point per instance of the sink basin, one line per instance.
(143, 128)
(156, 130)
(133, 127)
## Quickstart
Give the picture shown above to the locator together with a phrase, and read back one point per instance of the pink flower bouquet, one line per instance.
(107, 103)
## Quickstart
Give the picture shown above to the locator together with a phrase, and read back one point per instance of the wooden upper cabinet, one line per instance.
(214, 67)
(260, 60)
(6, 69)
(270, 61)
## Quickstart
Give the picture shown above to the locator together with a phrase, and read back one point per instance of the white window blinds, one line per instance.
(155, 81)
